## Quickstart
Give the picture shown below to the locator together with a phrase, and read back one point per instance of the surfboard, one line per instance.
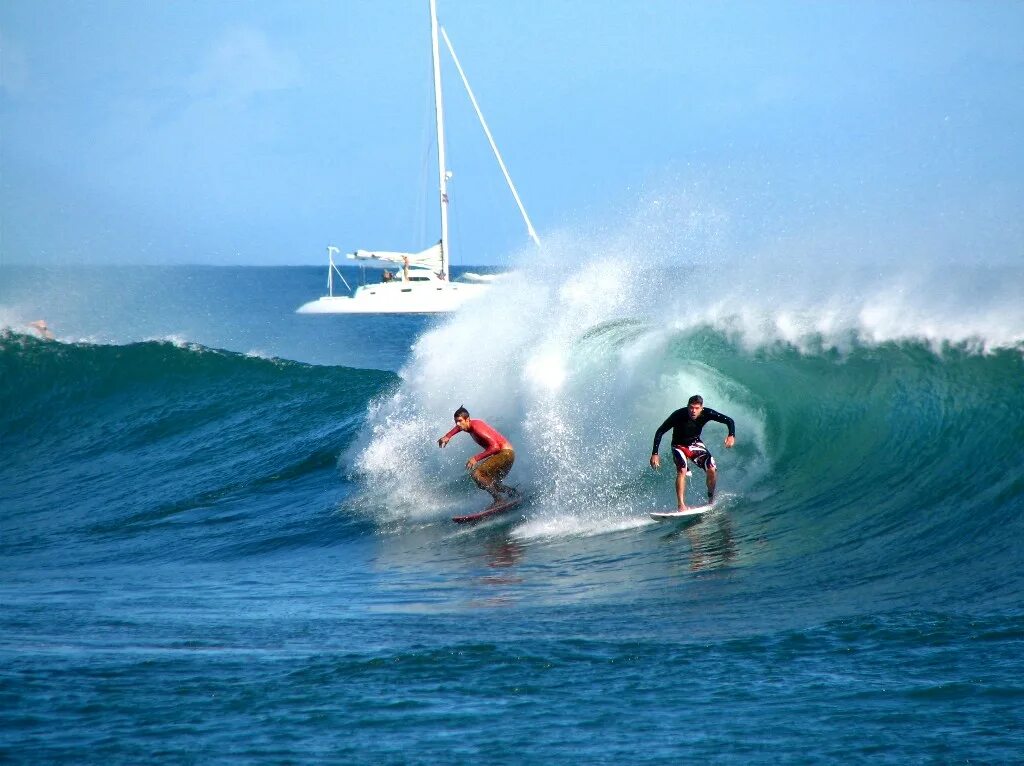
(491, 510)
(687, 514)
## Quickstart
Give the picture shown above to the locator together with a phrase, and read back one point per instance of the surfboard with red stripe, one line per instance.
(491, 510)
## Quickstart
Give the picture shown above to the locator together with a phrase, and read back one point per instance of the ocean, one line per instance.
(225, 528)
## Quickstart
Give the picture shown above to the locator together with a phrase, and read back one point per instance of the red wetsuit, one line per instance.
(492, 441)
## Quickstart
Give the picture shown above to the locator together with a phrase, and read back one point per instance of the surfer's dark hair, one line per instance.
(461, 412)
(695, 399)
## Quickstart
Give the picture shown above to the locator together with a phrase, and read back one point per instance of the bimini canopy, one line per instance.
(429, 258)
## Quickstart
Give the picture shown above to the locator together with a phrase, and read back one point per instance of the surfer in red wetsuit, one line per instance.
(686, 425)
(493, 464)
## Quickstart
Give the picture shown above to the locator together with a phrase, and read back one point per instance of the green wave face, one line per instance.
(135, 451)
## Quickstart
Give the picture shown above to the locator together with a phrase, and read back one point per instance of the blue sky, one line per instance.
(260, 132)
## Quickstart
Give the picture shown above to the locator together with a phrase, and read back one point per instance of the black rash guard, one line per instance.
(686, 430)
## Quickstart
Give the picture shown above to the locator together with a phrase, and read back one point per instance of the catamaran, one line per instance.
(420, 282)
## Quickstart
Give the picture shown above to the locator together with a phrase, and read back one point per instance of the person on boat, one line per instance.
(387, 276)
(405, 268)
(489, 467)
(40, 328)
(686, 425)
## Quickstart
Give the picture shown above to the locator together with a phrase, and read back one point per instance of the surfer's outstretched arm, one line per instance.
(443, 441)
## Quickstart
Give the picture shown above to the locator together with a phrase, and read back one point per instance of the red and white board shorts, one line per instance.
(696, 452)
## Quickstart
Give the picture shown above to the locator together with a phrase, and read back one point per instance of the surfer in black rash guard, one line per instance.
(686, 425)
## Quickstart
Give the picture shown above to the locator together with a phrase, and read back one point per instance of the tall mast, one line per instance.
(442, 173)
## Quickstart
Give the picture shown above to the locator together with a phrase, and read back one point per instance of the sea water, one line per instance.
(225, 534)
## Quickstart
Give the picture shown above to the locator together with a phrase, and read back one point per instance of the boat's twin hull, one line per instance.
(397, 298)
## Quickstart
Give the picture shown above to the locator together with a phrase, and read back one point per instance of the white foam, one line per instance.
(175, 339)
(562, 526)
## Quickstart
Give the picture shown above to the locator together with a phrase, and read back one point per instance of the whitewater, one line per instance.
(225, 535)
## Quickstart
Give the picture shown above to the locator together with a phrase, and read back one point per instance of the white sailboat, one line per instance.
(420, 283)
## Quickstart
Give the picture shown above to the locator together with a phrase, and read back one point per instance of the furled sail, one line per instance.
(429, 258)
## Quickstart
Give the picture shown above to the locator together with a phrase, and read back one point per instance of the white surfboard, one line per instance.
(688, 513)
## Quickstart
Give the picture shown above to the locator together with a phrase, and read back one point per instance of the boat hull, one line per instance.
(397, 298)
